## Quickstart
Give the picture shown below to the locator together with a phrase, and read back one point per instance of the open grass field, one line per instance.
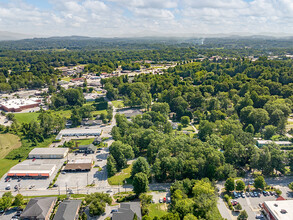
(158, 209)
(84, 141)
(120, 178)
(27, 117)
(5, 165)
(118, 104)
(8, 142)
(95, 113)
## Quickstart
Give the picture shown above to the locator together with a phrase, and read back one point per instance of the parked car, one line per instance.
(153, 201)
(255, 194)
(63, 172)
(251, 194)
(168, 200)
(160, 200)
(271, 193)
(234, 202)
(242, 195)
(260, 216)
(16, 187)
(260, 205)
(247, 194)
(7, 187)
(55, 185)
(114, 210)
(109, 191)
(165, 200)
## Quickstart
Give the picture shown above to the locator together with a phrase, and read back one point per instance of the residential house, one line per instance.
(68, 210)
(39, 208)
(127, 211)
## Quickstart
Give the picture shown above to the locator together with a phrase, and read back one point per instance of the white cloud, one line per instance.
(122, 17)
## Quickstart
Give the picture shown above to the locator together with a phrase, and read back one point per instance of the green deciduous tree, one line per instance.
(259, 182)
(140, 183)
(230, 184)
(240, 185)
(140, 166)
(185, 120)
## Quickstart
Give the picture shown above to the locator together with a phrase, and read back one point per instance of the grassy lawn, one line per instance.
(26, 117)
(5, 165)
(67, 79)
(188, 128)
(84, 141)
(95, 113)
(8, 142)
(119, 178)
(157, 209)
(118, 104)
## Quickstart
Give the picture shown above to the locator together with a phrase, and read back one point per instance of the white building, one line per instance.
(76, 132)
(278, 210)
(48, 153)
(17, 105)
(32, 170)
(261, 143)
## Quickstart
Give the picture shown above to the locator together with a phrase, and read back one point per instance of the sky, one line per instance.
(122, 18)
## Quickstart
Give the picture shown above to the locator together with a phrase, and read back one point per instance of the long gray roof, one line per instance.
(38, 208)
(67, 210)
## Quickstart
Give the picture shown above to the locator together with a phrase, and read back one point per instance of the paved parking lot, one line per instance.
(251, 204)
(39, 183)
(78, 180)
(159, 195)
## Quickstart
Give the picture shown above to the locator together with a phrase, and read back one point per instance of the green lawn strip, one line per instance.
(8, 142)
(119, 178)
(188, 128)
(26, 117)
(118, 104)
(84, 141)
(95, 113)
(157, 210)
(67, 79)
(5, 165)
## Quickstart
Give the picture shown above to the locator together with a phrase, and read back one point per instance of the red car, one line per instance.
(34, 159)
(165, 199)
(234, 203)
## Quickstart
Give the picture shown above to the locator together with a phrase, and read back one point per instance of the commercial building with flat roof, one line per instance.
(31, 170)
(278, 210)
(17, 105)
(261, 143)
(70, 132)
(48, 153)
(79, 165)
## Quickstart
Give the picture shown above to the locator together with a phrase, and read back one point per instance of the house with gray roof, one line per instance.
(39, 208)
(68, 210)
(87, 149)
(127, 211)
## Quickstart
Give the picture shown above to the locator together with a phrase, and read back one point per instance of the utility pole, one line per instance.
(87, 179)
(66, 188)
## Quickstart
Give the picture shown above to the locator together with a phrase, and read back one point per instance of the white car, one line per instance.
(160, 200)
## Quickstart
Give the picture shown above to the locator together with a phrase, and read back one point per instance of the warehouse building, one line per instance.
(261, 143)
(278, 210)
(76, 132)
(79, 165)
(48, 153)
(31, 170)
(87, 149)
(17, 105)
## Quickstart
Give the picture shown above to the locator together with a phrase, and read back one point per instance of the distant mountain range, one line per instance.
(11, 36)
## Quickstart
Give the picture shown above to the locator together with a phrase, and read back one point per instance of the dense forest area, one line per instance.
(233, 101)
